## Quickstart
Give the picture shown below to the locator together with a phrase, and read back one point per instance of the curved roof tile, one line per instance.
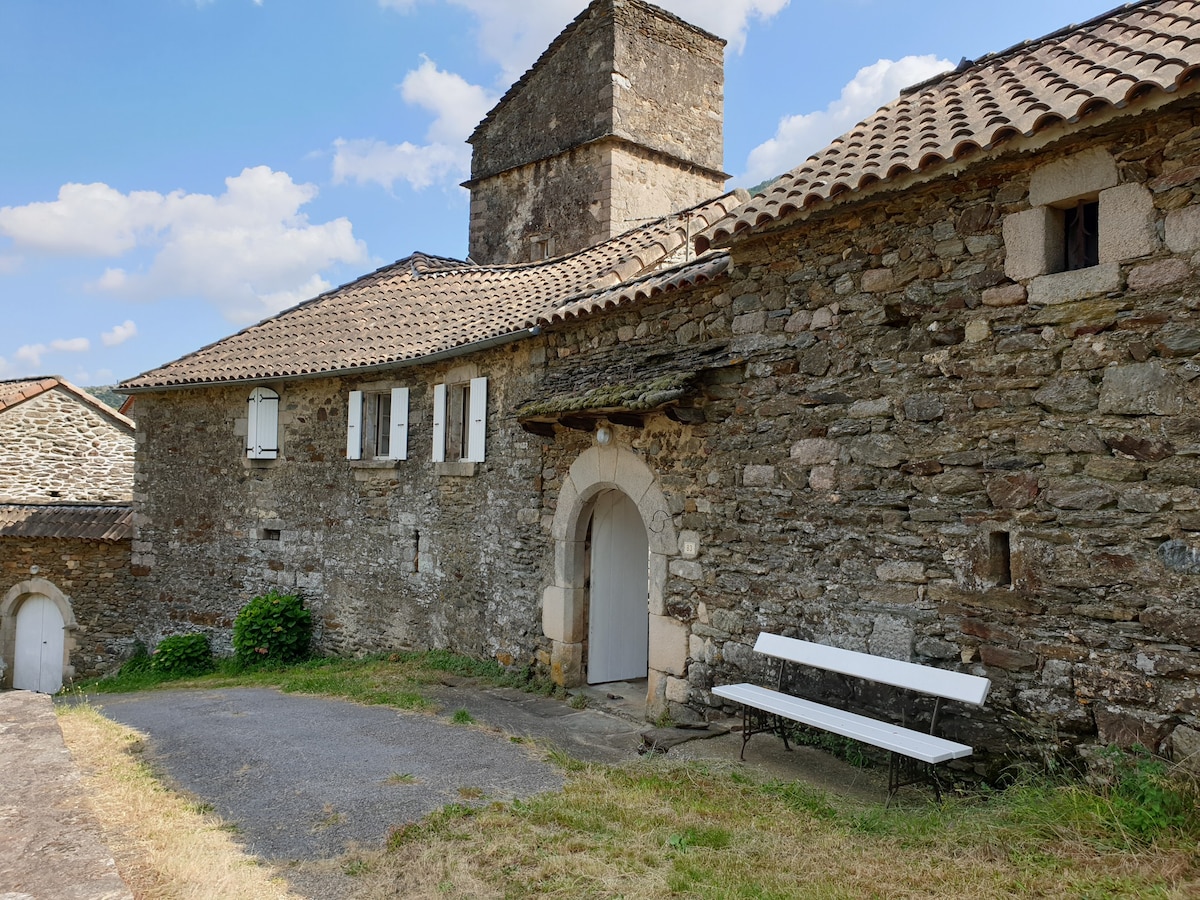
(426, 305)
(1109, 61)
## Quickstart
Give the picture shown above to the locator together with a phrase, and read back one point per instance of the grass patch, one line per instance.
(660, 829)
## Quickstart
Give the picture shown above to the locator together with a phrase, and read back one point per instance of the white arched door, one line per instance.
(38, 665)
(619, 613)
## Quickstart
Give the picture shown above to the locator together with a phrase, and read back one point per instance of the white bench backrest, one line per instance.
(913, 676)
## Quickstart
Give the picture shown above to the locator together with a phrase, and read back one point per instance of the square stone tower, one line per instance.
(619, 122)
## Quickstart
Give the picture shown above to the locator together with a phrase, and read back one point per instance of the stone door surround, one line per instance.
(564, 603)
(9, 605)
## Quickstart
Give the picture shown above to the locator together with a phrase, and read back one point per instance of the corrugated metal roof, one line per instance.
(60, 520)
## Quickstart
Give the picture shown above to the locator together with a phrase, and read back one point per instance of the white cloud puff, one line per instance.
(245, 251)
(31, 354)
(799, 137)
(119, 334)
(457, 107)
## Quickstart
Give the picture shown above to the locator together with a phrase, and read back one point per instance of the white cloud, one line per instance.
(243, 251)
(119, 334)
(799, 137)
(457, 107)
(31, 354)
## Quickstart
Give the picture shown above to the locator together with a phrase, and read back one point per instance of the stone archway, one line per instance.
(9, 605)
(564, 603)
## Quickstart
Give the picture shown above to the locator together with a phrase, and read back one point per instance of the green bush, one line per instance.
(182, 655)
(138, 662)
(272, 628)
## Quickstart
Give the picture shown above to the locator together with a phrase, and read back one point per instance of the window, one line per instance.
(999, 563)
(1081, 236)
(377, 425)
(262, 425)
(541, 246)
(460, 421)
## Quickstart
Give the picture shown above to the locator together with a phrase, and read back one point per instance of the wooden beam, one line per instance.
(630, 420)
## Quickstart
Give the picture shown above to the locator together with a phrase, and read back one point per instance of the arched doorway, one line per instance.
(618, 611)
(37, 628)
(40, 641)
(566, 614)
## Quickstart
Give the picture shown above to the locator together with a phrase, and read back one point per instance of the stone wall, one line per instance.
(389, 555)
(919, 456)
(95, 578)
(627, 72)
(895, 441)
(55, 447)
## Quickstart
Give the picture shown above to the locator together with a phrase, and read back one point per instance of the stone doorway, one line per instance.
(618, 592)
(565, 619)
(36, 637)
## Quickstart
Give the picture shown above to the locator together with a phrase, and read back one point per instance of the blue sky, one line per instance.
(172, 170)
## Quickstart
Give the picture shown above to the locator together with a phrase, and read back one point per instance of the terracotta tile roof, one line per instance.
(707, 268)
(18, 391)
(14, 392)
(91, 523)
(424, 306)
(1108, 62)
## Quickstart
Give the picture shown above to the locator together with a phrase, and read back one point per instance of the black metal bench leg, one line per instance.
(782, 729)
(746, 733)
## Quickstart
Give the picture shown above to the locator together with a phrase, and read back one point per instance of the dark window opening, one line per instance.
(1000, 558)
(1081, 238)
(271, 534)
(416, 551)
(383, 424)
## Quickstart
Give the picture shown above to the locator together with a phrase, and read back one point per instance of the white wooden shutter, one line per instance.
(477, 436)
(439, 423)
(398, 446)
(354, 420)
(262, 424)
(252, 426)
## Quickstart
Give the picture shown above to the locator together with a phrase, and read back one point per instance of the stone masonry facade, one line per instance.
(627, 91)
(95, 577)
(56, 447)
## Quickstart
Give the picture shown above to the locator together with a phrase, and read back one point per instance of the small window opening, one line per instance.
(539, 248)
(1081, 237)
(1000, 558)
(416, 552)
(458, 438)
(271, 534)
(382, 433)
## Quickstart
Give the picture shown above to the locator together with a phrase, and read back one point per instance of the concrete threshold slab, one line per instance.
(51, 843)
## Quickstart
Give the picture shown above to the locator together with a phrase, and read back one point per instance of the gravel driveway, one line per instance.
(306, 777)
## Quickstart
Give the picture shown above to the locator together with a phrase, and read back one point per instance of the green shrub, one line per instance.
(272, 628)
(182, 655)
(138, 662)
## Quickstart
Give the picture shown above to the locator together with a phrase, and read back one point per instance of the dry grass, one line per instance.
(657, 829)
(165, 846)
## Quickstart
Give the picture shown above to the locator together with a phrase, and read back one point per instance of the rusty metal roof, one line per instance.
(424, 306)
(1110, 62)
(62, 520)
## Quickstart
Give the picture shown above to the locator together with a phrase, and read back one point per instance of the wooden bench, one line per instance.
(914, 754)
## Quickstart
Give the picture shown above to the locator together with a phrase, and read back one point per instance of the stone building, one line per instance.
(929, 395)
(66, 520)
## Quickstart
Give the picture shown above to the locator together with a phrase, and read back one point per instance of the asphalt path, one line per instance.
(306, 778)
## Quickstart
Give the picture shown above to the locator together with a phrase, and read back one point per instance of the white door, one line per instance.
(39, 661)
(618, 615)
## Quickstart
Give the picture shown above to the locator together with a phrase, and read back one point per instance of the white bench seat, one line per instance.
(925, 747)
(914, 754)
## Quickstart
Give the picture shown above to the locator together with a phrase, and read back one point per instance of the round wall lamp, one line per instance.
(604, 435)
